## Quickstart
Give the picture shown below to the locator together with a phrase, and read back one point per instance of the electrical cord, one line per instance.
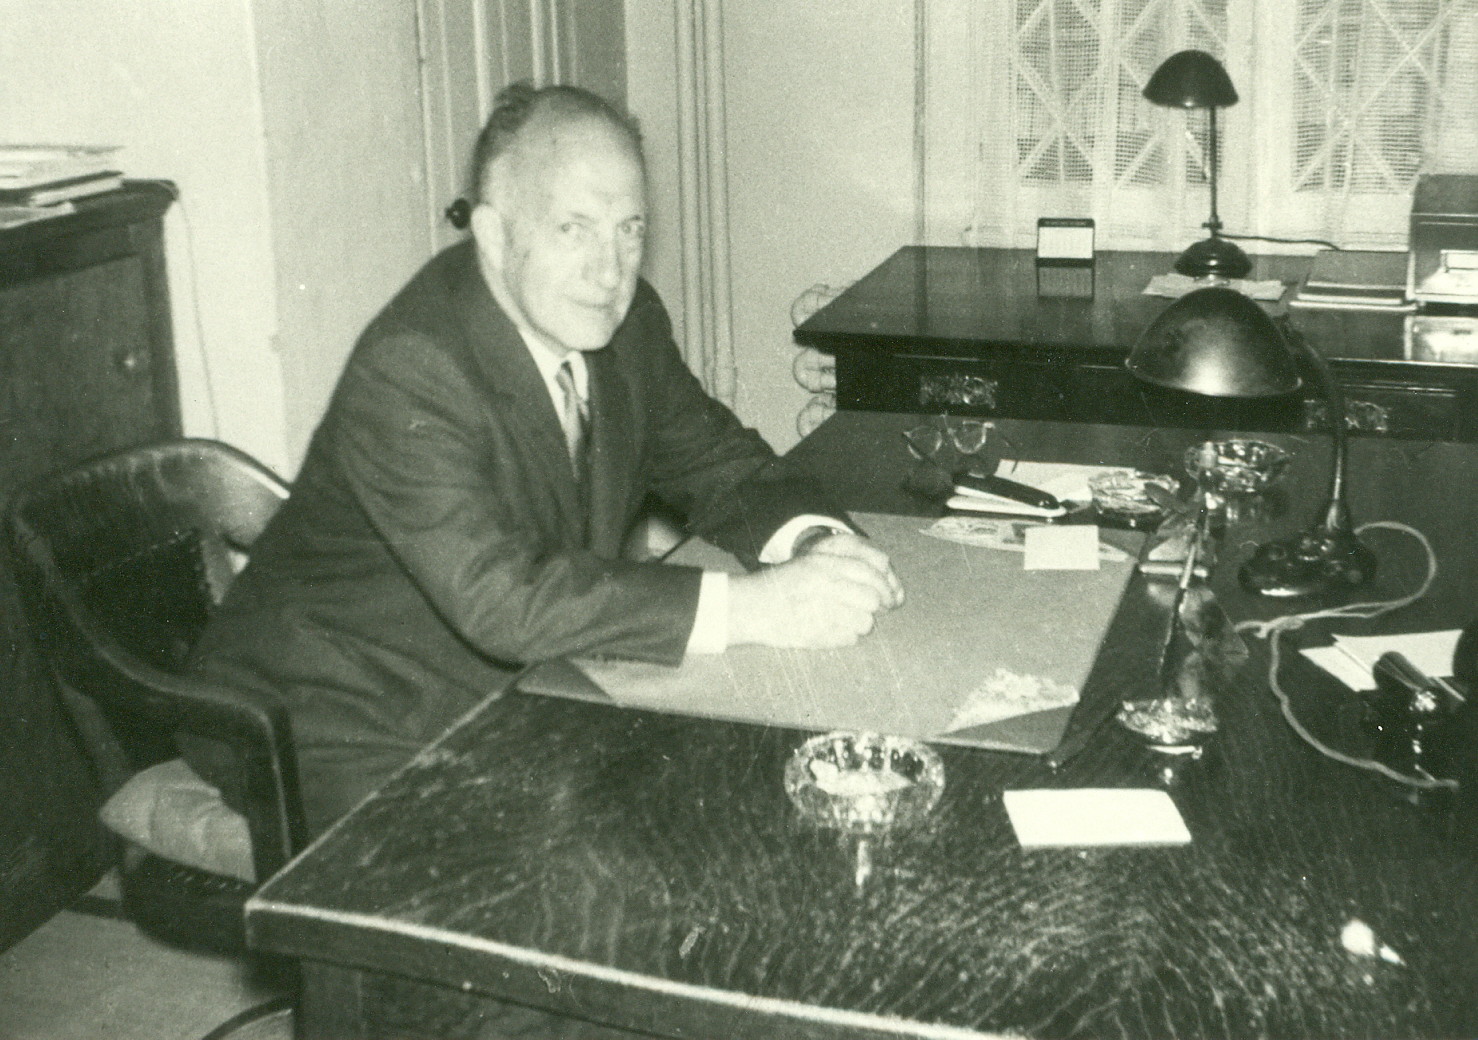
(814, 371)
(1289, 241)
(1274, 630)
(202, 355)
(812, 300)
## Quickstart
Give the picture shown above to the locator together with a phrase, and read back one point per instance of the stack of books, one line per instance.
(40, 181)
(1355, 279)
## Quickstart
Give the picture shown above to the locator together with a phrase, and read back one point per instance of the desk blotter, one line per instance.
(982, 653)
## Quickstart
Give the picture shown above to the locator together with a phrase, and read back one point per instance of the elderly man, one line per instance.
(462, 506)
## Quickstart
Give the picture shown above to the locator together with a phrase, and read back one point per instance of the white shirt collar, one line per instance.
(548, 363)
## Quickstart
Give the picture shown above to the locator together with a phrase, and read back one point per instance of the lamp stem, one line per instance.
(1214, 224)
(1328, 556)
(1337, 513)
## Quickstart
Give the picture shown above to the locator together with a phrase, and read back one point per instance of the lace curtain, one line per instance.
(1343, 103)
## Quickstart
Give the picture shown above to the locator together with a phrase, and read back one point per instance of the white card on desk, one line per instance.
(1072, 548)
(1094, 816)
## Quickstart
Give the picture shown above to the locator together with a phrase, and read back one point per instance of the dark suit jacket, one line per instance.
(436, 539)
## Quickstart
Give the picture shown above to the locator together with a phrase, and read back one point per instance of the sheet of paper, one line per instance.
(1070, 548)
(1351, 659)
(1177, 285)
(1094, 816)
(1334, 660)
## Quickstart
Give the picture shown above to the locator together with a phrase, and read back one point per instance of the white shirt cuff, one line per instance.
(781, 545)
(710, 633)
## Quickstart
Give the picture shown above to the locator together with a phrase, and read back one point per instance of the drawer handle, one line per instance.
(131, 362)
(1365, 416)
(955, 389)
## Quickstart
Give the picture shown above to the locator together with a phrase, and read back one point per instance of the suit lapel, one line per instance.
(508, 374)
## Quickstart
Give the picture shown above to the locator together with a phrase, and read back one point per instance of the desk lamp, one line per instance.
(1217, 342)
(1194, 79)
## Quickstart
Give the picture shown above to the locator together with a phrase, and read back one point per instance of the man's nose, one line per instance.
(607, 264)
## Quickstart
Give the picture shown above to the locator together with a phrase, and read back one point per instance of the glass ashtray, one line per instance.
(864, 783)
(1121, 498)
(1174, 725)
(1236, 467)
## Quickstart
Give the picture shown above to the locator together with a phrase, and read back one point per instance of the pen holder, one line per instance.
(1165, 551)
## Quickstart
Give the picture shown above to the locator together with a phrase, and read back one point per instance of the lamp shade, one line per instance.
(1216, 342)
(1191, 79)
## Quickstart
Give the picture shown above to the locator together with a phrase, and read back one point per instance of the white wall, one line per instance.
(293, 129)
(820, 124)
(175, 83)
(818, 102)
(346, 181)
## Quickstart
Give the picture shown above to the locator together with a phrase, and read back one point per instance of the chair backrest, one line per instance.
(119, 563)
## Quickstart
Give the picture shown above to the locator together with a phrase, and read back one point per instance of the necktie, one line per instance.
(573, 418)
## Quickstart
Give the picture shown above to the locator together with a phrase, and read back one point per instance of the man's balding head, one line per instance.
(525, 118)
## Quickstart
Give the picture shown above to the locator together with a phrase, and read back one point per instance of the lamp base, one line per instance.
(1213, 257)
(1320, 560)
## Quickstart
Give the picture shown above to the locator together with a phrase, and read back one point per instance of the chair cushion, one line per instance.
(169, 811)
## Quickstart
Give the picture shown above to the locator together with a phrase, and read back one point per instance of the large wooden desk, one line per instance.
(647, 870)
(974, 330)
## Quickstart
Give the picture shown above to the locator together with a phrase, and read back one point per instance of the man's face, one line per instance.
(561, 237)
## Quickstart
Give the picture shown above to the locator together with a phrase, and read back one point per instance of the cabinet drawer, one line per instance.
(1062, 390)
(1395, 410)
(78, 367)
(929, 383)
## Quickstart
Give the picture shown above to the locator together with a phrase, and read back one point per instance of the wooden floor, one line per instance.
(87, 977)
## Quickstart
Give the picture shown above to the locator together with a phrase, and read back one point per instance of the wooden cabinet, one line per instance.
(86, 366)
(977, 331)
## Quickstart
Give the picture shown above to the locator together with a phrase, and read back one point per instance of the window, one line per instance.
(1343, 103)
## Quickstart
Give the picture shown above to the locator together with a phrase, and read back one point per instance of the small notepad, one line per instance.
(1094, 816)
(1073, 548)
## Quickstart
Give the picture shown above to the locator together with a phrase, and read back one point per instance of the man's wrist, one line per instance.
(782, 544)
(808, 538)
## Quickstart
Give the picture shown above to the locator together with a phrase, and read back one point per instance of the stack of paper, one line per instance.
(1177, 285)
(1354, 279)
(39, 181)
(983, 652)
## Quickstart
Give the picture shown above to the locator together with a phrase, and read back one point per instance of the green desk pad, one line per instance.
(983, 653)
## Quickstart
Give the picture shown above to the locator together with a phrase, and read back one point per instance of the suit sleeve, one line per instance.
(704, 462)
